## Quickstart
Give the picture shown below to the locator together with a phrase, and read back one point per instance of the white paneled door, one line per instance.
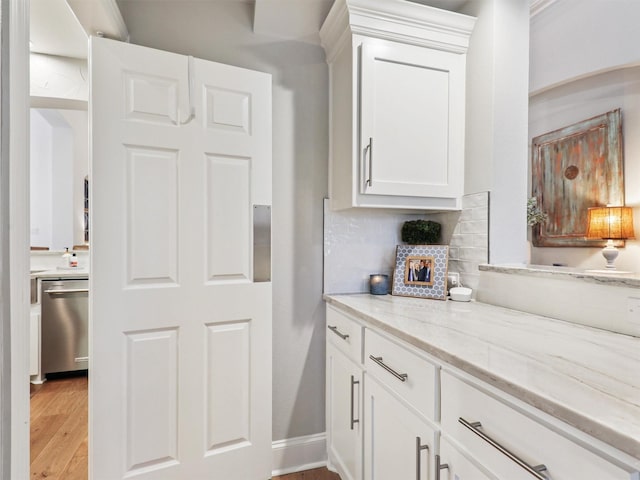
(180, 371)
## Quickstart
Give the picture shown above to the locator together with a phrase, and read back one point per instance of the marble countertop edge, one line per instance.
(626, 440)
(601, 277)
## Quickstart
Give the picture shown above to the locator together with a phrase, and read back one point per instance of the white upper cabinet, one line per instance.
(397, 98)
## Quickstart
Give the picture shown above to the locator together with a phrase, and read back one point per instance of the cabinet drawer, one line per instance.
(514, 435)
(410, 376)
(344, 333)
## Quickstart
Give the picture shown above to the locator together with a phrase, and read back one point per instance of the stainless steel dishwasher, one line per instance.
(65, 325)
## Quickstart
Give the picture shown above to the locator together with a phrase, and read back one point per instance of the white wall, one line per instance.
(576, 38)
(61, 185)
(496, 126)
(572, 39)
(59, 163)
(79, 123)
(222, 32)
(578, 101)
(41, 174)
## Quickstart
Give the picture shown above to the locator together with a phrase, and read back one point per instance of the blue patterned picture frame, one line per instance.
(421, 271)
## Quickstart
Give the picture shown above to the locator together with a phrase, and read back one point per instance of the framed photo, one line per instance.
(421, 271)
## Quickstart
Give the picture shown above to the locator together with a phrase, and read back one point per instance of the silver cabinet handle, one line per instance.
(81, 359)
(335, 330)
(70, 290)
(353, 383)
(440, 467)
(475, 428)
(400, 376)
(419, 448)
(369, 149)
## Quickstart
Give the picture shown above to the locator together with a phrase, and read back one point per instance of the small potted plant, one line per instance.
(421, 232)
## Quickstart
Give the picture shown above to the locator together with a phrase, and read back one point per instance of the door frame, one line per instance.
(14, 256)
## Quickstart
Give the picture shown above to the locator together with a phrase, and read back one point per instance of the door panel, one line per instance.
(151, 98)
(152, 215)
(152, 433)
(181, 336)
(228, 412)
(228, 218)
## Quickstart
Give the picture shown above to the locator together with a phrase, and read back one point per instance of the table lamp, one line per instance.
(610, 223)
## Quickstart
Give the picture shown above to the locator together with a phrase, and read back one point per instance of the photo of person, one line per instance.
(418, 271)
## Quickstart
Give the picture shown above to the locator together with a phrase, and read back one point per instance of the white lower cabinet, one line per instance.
(453, 465)
(392, 408)
(398, 443)
(512, 444)
(344, 425)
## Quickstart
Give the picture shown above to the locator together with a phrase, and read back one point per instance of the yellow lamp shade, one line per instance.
(615, 223)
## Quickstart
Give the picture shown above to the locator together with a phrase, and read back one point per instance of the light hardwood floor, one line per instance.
(59, 421)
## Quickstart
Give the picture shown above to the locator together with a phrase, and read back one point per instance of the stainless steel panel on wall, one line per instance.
(261, 243)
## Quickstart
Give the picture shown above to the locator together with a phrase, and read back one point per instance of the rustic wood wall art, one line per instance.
(574, 168)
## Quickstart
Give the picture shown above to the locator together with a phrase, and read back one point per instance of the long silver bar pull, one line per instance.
(69, 290)
(419, 449)
(400, 376)
(475, 428)
(335, 330)
(440, 467)
(369, 149)
(353, 383)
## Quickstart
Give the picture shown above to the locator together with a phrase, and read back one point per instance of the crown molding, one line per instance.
(538, 6)
(404, 22)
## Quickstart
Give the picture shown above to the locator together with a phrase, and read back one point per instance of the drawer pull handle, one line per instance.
(68, 290)
(353, 420)
(475, 428)
(400, 376)
(335, 330)
(419, 448)
(440, 466)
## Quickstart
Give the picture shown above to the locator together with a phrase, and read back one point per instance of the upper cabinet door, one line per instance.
(412, 121)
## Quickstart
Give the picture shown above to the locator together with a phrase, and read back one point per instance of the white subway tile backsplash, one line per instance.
(480, 241)
(480, 213)
(457, 240)
(360, 242)
(475, 226)
(475, 200)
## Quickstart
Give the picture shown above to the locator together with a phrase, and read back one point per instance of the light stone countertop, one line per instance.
(77, 272)
(586, 377)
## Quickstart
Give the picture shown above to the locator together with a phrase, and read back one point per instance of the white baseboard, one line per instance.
(299, 453)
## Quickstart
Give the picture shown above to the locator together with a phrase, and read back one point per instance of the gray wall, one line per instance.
(222, 32)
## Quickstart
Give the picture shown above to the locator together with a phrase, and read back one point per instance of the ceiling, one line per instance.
(55, 30)
(62, 27)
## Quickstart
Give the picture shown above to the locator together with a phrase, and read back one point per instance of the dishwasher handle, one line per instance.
(69, 290)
